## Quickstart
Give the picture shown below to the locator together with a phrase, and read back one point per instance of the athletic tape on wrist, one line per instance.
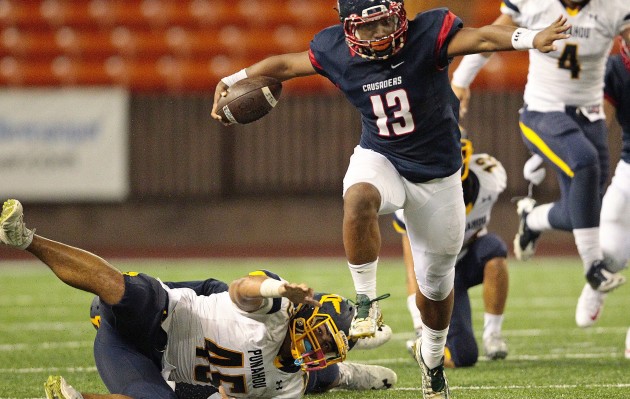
(523, 39)
(235, 77)
(270, 288)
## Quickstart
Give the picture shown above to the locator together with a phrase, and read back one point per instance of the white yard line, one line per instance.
(528, 387)
(46, 345)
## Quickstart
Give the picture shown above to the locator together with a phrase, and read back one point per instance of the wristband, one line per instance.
(523, 39)
(235, 77)
(468, 69)
(270, 288)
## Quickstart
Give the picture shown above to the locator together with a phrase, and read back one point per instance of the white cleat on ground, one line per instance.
(13, 232)
(56, 387)
(589, 306)
(495, 347)
(434, 382)
(364, 377)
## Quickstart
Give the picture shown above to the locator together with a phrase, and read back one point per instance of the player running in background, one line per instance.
(257, 339)
(482, 260)
(615, 218)
(562, 120)
(395, 72)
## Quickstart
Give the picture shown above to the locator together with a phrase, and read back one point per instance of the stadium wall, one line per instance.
(269, 188)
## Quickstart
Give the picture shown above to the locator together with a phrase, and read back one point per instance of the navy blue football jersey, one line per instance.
(617, 91)
(409, 113)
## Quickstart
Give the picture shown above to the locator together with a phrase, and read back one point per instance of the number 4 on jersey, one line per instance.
(569, 60)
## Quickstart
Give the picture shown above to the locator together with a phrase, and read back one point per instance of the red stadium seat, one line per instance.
(319, 14)
(28, 44)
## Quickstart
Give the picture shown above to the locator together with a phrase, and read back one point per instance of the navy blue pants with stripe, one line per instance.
(578, 151)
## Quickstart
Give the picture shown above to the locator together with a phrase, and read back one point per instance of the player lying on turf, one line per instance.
(261, 337)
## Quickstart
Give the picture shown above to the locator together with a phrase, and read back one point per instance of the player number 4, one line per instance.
(569, 60)
(397, 104)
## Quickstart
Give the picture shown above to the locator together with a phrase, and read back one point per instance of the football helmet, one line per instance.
(357, 15)
(319, 334)
(467, 151)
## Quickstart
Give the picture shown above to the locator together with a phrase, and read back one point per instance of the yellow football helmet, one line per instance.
(467, 151)
(319, 335)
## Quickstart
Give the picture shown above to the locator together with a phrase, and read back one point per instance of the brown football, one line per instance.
(249, 99)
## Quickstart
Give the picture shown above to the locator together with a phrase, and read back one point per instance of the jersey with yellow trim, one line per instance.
(573, 75)
(488, 179)
(211, 339)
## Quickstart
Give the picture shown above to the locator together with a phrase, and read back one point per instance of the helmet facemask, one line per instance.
(355, 26)
(316, 340)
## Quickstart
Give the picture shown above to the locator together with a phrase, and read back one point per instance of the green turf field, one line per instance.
(44, 329)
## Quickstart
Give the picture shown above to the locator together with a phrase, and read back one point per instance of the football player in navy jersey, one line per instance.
(562, 121)
(259, 337)
(395, 72)
(615, 216)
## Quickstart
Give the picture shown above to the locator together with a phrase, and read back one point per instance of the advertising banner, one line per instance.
(64, 145)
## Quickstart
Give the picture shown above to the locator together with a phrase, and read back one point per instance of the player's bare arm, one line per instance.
(250, 292)
(499, 38)
(282, 67)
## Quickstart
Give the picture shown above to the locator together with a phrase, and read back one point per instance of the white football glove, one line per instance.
(533, 171)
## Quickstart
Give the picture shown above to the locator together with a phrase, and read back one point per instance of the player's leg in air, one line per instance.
(372, 186)
(88, 272)
(577, 150)
(615, 242)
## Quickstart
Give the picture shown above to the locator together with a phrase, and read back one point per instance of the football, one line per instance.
(249, 99)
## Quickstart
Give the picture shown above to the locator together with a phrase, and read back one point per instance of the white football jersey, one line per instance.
(210, 338)
(492, 182)
(573, 75)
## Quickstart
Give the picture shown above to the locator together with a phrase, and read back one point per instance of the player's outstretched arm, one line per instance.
(501, 38)
(282, 67)
(250, 292)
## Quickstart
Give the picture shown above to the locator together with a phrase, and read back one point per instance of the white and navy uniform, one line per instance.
(615, 218)
(562, 119)
(409, 148)
(211, 339)
(192, 333)
(486, 181)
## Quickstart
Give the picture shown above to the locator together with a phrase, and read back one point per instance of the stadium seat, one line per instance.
(318, 14)
(28, 44)
(151, 44)
(485, 12)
